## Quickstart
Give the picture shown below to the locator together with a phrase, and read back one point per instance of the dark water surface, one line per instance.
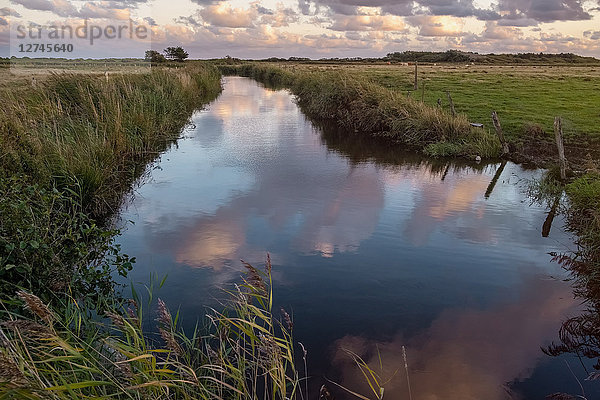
(372, 249)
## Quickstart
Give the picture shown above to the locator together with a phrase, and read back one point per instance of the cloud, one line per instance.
(365, 28)
(516, 12)
(304, 6)
(494, 31)
(464, 8)
(468, 354)
(543, 10)
(224, 15)
(90, 9)
(8, 12)
(189, 21)
(368, 22)
(103, 10)
(438, 26)
(281, 16)
(41, 5)
(593, 35)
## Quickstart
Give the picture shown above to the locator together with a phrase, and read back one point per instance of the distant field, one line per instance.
(521, 95)
(21, 74)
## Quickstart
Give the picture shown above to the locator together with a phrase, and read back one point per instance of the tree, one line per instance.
(176, 53)
(154, 57)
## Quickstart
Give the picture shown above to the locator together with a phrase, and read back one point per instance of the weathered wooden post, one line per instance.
(498, 127)
(494, 180)
(446, 172)
(106, 76)
(562, 160)
(439, 102)
(550, 218)
(416, 75)
(451, 104)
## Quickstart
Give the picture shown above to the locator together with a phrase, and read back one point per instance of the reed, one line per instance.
(244, 352)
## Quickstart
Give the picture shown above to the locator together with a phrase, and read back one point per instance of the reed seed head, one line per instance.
(29, 329)
(116, 319)
(254, 278)
(36, 306)
(166, 329)
(10, 372)
(164, 315)
(287, 319)
(268, 266)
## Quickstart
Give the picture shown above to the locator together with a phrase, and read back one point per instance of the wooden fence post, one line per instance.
(499, 132)
(550, 218)
(492, 185)
(562, 160)
(416, 75)
(451, 104)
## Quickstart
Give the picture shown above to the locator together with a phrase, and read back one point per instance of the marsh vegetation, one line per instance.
(72, 145)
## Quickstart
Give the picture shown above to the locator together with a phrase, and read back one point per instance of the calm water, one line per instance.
(371, 249)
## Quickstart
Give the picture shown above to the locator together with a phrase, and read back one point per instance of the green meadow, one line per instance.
(523, 96)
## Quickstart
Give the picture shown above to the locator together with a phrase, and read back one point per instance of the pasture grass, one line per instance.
(523, 96)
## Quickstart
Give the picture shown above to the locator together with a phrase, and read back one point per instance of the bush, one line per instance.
(49, 246)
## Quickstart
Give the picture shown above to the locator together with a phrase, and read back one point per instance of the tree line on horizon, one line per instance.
(178, 54)
(170, 53)
(457, 56)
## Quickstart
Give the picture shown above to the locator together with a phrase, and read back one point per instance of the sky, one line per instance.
(318, 28)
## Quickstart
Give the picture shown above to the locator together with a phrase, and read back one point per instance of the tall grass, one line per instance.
(244, 353)
(83, 131)
(362, 106)
(69, 148)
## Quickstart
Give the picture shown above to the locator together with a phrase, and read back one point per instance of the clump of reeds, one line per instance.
(82, 131)
(245, 352)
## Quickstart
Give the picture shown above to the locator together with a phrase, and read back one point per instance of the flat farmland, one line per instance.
(526, 98)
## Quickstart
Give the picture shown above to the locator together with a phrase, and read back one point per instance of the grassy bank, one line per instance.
(526, 98)
(364, 107)
(70, 146)
(523, 96)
